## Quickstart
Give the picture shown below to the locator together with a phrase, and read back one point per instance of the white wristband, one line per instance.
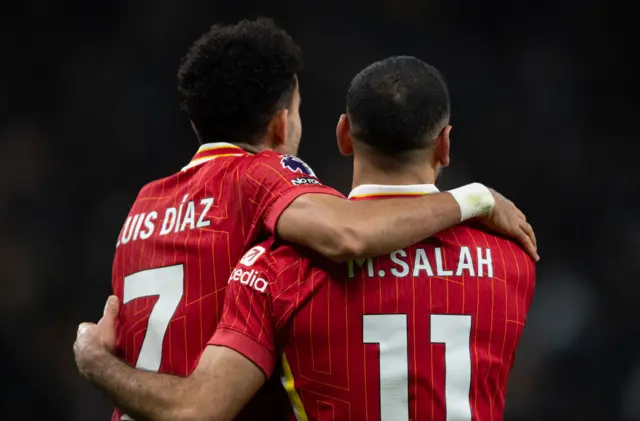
(474, 199)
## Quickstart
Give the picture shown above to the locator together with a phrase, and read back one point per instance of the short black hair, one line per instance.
(236, 77)
(398, 105)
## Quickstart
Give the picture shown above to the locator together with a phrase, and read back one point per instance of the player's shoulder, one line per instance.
(264, 269)
(283, 262)
(282, 163)
(271, 256)
(474, 234)
(155, 187)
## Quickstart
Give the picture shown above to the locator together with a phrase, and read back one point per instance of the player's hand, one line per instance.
(507, 219)
(95, 339)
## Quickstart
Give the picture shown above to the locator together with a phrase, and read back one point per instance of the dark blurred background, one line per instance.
(543, 100)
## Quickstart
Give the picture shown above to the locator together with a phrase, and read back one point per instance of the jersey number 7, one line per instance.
(390, 332)
(168, 284)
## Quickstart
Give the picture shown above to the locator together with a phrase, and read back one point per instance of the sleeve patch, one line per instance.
(296, 165)
(305, 181)
(252, 255)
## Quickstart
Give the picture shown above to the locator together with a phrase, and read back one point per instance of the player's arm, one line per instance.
(294, 204)
(342, 229)
(222, 383)
(233, 367)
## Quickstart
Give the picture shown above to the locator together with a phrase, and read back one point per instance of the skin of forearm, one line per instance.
(141, 395)
(345, 230)
(384, 226)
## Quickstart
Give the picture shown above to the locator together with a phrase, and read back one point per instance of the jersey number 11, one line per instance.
(390, 332)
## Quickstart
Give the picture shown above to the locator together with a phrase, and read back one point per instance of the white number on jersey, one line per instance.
(390, 332)
(168, 284)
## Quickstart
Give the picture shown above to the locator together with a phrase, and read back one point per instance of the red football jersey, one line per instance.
(180, 241)
(425, 333)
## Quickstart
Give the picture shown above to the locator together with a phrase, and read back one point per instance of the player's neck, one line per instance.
(367, 173)
(251, 148)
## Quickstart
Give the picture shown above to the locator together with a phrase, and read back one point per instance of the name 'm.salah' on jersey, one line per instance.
(181, 239)
(425, 333)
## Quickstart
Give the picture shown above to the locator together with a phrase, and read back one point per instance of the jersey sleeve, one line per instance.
(273, 181)
(260, 298)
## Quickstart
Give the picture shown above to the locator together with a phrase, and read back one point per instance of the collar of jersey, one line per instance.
(375, 191)
(210, 151)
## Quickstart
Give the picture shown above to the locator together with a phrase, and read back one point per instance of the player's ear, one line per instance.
(278, 130)
(443, 145)
(343, 134)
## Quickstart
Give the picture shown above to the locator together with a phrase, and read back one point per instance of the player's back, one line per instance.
(178, 242)
(177, 247)
(425, 333)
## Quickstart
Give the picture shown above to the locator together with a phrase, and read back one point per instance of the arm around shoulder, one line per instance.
(342, 230)
(221, 386)
(314, 221)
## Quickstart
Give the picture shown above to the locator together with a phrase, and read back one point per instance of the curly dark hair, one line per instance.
(236, 77)
(398, 105)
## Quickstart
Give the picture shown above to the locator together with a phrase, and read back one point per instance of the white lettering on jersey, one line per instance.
(304, 181)
(175, 219)
(250, 278)
(427, 262)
